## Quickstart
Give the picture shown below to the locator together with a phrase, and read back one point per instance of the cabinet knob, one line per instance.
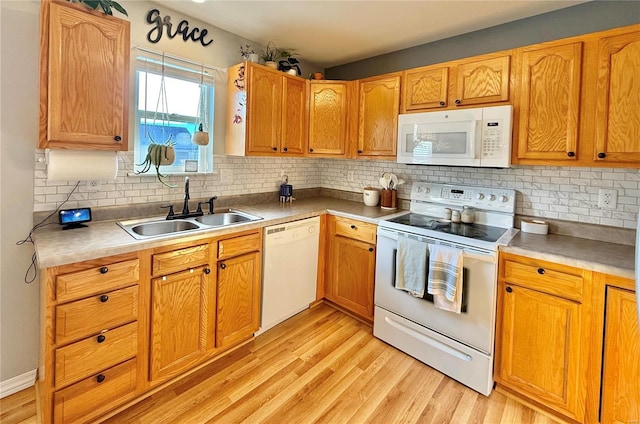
(442, 103)
(371, 249)
(207, 271)
(101, 338)
(310, 150)
(104, 270)
(223, 266)
(285, 149)
(458, 101)
(509, 289)
(359, 152)
(275, 149)
(602, 155)
(104, 298)
(540, 271)
(571, 154)
(353, 227)
(100, 378)
(117, 138)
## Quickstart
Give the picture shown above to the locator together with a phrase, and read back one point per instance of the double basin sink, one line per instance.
(156, 227)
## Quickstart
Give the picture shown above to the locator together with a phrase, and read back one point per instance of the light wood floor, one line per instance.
(320, 366)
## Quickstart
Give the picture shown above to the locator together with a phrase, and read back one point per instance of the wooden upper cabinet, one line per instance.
(379, 105)
(266, 111)
(84, 79)
(329, 116)
(482, 81)
(425, 88)
(617, 118)
(549, 103)
(621, 368)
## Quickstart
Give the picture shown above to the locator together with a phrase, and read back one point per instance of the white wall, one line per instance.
(19, 312)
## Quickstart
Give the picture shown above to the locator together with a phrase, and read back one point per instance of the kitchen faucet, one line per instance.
(185, 206)
(186, 213)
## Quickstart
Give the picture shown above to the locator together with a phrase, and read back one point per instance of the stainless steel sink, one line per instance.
(160, 226)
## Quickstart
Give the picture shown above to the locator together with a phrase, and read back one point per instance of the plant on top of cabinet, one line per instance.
(105, 5)
(84, 78)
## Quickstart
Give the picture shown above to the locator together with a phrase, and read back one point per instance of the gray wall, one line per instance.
(581, 19)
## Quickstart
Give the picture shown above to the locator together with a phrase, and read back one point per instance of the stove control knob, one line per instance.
(503, 198)
(480, 196)
(492, 197)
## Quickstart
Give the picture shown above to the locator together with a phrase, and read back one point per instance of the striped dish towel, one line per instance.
(445, 277)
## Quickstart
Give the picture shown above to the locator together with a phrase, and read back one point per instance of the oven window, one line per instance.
(428, 297)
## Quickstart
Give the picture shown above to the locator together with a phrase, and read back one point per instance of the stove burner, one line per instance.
(472, 231)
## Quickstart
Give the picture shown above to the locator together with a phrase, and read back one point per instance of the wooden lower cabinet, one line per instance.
(181, 321)
(620, 402)
(543, 333)
(351, 261)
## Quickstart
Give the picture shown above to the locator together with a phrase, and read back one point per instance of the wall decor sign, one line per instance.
(154, 35)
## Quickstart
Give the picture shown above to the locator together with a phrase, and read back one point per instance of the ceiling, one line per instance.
(329, 33)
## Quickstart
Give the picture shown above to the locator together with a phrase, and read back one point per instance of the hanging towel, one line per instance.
(445, 277)
(411, 265)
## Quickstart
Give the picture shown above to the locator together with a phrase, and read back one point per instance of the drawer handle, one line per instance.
(104, 298)
(207, 271)
(100, 378)
(101, 338)
(509, 289)
(371, 249)
(353, 227)
(104, 270)
(223, 266)
(540, 271)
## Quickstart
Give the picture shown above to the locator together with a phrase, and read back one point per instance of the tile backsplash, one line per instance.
(564, 193)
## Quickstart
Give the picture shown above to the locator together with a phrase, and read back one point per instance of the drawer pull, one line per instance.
(207, 271)
(104, 270)
(353, 227)
(223, 266)
(540, 271)
(509, 289)
(104, 298)
(100, 378)
(101, 338)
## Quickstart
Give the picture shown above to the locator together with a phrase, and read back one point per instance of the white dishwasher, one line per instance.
(290, 271)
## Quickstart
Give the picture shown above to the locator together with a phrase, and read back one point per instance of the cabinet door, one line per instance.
(181, 321)
(294, 117)
(328, 113)
(378, 117)
(88, 81)
(618, 99)
(351, 274)
(540, 341)
(425, 88)
(264, 110)
(483, 81)
(238, 307)
(549, 103)
(621, 367)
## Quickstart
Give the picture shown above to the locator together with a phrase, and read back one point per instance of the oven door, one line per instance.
(474, 327)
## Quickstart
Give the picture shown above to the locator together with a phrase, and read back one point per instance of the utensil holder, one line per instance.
(389, 199)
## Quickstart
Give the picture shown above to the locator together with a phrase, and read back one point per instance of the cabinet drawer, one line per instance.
(179, 260)
(80, 284)
(239, 245)
(546, 278)
(89, 398)
(88, 316)
(88, 356)
(358, 230)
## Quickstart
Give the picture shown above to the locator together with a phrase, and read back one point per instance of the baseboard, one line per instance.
(17, 383)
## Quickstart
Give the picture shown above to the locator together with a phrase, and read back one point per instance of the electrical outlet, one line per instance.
(607, 198)
(93, 185)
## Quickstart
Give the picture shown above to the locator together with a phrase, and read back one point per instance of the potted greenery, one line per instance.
(248, 53)
(158, 155)
(270, 55)
(105, 5)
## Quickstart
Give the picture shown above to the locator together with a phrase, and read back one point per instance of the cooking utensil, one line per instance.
(384, 183)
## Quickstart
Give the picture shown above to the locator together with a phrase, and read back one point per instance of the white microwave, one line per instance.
(479, 137)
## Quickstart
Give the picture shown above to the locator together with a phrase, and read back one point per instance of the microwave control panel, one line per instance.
(492, 138)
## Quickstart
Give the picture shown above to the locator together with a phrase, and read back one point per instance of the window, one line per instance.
(188, 100)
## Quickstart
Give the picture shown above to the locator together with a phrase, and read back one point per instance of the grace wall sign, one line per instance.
(155, 34)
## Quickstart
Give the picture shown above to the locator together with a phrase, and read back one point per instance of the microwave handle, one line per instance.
(476, 139)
